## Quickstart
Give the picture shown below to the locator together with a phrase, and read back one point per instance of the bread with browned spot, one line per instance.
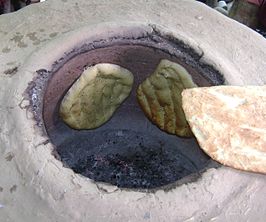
(229, 123)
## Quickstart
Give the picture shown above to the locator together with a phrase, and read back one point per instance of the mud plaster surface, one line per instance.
(34, 186)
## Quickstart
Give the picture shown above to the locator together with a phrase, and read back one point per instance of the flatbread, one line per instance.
(94, 97)
(160, 97)
(229, 123)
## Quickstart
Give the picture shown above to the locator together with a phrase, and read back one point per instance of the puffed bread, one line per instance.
(94, 97)
(160, 97)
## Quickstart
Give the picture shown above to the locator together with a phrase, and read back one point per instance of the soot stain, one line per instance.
(52, 35)
(11, 71)
(18, 40)
(34, 94)
(32, 36)
(6, 50)
(9, 156)
(13, 188)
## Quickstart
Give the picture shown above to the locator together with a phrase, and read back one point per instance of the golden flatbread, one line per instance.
(160, 97)
(229, 123)
(94, 97)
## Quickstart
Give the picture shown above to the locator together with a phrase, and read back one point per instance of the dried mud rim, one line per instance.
(128, 151)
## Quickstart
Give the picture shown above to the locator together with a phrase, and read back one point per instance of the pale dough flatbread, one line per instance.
(229, 123)
(94, 97)
(160, 97)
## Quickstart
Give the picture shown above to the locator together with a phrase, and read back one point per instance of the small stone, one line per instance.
(199, 17)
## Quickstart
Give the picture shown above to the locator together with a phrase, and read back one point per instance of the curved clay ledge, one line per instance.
(34, 185)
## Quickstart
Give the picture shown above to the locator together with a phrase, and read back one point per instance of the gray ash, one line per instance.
(147, 169)
(129, 159)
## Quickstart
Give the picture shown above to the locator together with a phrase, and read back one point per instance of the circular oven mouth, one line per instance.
(128, 151)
